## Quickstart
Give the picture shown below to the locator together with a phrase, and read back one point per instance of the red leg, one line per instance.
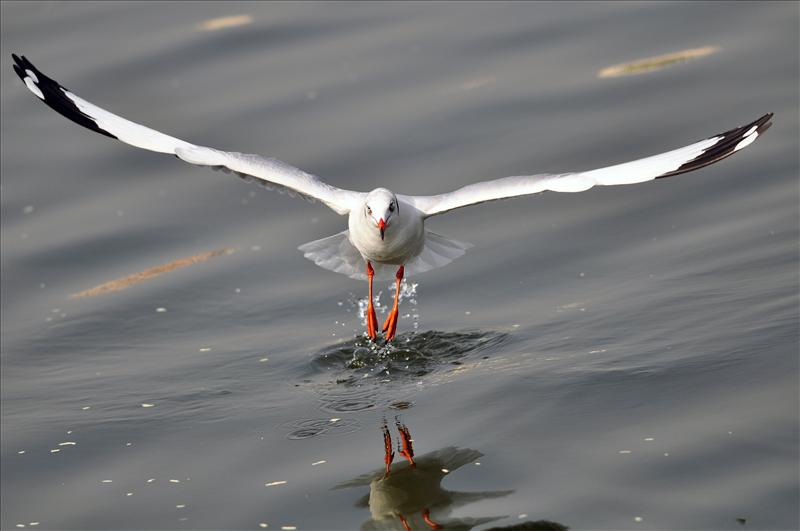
(426, 515)
(388, 454)
(372, 320)
(408, 445)
(390, 326)
(404, 522)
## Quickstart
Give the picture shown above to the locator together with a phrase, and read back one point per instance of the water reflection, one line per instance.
(407, 492)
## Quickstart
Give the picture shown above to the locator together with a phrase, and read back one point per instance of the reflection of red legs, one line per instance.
(390, 326)
(404, 522)
(426, 515)
(388, 454)
(372, 320)
(408, 446)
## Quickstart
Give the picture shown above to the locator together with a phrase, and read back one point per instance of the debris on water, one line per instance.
(274, 483)
(130, 280)
(180, 506)
(219, 23)
(637, 518)
(445, 471)
(288, 528)
(658, 62)
(21, 452)
(263, 359)
(174, 481)
(624, 451)
(128, 494)
(106, 481)
(67, 443)
(151, 480)
(401, 404)
(741, 521)
(263, 525)
(205, 349)
(161, 309)
(523, 515)
(335, 420)
(318, 463)
(54, 450)
(649, 439)
(148, 405)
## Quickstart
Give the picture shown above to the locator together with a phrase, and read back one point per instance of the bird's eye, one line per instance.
(391, 207)
(369, 210)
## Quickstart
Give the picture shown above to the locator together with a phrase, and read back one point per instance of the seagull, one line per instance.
(385, 231)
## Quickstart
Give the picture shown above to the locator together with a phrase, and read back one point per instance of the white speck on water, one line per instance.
(263, 525)
(649, 439)
(67, 443)
(42, 285)
(128, 444)
(205, 349)
(20, 525)
(182, 519)
(238, 290)
(477, 463)
(262, 360)
(274, 483)
(637, 518)
(446, 471)
(180, 506)
(69, 432)
(174, 481)
(86, 407)
(128, 494)
(523, 515)
(148, 405)
(467, 313)
(56, 310)
(730, 433)
(54, 450)
(161, 309)
(318, 463)
(107, 481)
(666, 454)
(255, 247)
(28, 209)
(335, 420)
(151, 480)
(288, 527)
(583, 274)
(624, 451)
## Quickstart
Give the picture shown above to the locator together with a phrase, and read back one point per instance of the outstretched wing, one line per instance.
(680, 160)
(268, 171)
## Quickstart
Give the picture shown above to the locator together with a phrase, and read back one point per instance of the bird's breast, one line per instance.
(403, 239)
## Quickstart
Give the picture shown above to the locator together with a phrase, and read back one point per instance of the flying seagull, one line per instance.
(385, 230)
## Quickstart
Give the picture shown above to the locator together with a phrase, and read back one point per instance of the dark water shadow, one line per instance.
(359, 375)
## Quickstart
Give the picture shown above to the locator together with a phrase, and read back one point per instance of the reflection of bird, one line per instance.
(412, 496)
(386, 230)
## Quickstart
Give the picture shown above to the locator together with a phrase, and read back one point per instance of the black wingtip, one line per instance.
(54, 95)
(725, 147)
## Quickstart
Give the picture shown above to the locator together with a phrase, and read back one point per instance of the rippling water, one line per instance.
(623, 358)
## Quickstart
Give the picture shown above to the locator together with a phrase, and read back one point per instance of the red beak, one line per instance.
(382, 227)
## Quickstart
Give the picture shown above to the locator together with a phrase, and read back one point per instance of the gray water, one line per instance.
(622, 358)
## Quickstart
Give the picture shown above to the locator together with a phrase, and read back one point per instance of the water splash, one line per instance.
(357, 305)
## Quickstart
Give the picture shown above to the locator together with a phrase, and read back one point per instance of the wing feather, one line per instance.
(269, 171)
(681, 160)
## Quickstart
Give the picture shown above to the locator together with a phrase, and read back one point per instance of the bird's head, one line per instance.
(381, 208)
